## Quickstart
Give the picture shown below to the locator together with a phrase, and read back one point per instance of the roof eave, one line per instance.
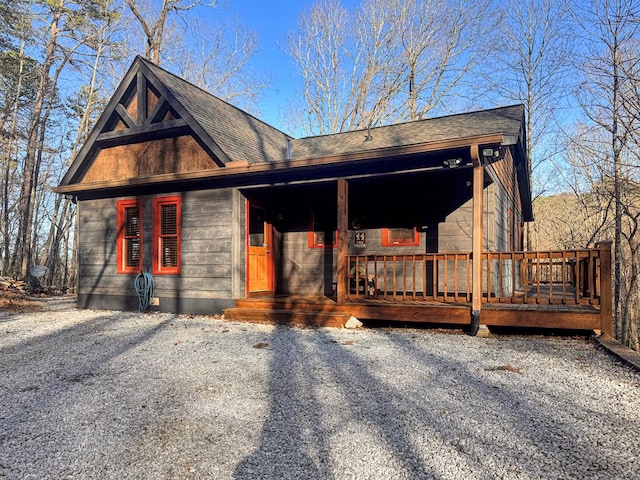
(281, 167)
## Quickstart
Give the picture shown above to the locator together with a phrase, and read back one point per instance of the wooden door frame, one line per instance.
(270, 260)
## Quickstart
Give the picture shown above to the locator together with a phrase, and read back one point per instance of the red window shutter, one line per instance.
(166, 235)
(129, 247)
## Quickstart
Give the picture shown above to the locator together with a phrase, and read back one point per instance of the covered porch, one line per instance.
(547, 289)
(463, 207)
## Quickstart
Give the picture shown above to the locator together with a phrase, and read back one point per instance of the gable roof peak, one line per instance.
(179, 79)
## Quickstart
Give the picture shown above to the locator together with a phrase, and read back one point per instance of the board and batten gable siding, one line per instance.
(205, 283)
(156, 157)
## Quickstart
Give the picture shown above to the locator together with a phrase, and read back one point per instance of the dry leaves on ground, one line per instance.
(505, 368)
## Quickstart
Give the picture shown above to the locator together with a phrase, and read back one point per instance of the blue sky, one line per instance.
(272, 20)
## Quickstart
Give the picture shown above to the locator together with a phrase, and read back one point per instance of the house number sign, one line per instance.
(360, 239)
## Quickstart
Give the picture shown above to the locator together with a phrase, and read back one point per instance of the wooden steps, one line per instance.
(325, 312)
(297, 317)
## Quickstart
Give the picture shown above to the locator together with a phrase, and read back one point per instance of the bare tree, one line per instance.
(61, 42)
(154, 28)
(610, 34)
(531, 66)
(321, 52)
(389, 60)
(214, 55)
(84, 105)
(219, 61)
(16, 93)
(583, 214)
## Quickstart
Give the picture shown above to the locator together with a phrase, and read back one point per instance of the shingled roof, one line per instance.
(505, 120)
(239, 135)
(229, 134)
(243, 137)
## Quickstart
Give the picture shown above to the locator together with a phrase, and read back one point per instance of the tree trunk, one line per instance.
(6, 177)
(22, 252)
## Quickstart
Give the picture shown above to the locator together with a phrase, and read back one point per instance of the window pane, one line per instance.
(320, 238)
(256, 227)
(401, 235)
(323, 227)
(169, 249)
(169, 220)
(131, 222)
(132, 252)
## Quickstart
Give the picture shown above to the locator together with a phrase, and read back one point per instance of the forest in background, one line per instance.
(575, 65)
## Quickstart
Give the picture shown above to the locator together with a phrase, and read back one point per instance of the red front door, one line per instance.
(259, 253)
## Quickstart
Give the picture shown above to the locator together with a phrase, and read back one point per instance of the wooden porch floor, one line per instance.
(324, 311)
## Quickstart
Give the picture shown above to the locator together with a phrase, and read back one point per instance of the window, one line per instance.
(393, 237)
(320, 227)
(129, 249)
(166, 235)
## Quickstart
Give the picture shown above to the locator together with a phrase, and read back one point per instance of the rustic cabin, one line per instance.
(419, 221)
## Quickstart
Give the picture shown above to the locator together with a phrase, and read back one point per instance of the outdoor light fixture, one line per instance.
(452, 162)
(490, 153)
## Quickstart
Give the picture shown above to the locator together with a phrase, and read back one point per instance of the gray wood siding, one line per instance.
(455, 233)
(304, 270)
(312, 271)
(206, 249)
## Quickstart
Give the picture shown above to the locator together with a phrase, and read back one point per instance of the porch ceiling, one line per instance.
(376, 201)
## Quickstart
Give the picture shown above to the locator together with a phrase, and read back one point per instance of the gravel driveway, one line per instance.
(95, 394)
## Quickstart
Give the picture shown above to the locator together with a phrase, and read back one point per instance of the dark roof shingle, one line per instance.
(240, 135)
(505, 120)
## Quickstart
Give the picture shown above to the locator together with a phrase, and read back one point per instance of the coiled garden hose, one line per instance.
(144, 288)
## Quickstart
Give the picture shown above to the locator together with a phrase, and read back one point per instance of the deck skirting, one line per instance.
(323, 311)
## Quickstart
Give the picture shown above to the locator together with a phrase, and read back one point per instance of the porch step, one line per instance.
(316, 304)
(297, 317)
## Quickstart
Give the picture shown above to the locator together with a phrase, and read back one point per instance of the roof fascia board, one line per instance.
(121, 91)
(282, 167)
(425, 147)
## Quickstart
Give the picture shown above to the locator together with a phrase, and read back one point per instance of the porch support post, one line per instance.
(606, 310)
(477, 236)
(343, 240)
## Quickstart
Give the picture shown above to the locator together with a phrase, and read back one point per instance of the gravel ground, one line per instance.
(95, 394)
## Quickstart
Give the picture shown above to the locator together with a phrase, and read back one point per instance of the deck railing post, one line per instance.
(477, 236)
(606, 286)
(343, 242)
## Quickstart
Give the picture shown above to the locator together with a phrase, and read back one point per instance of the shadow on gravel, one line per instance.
(380, 408)
(56, 374)
(295, 439)
(469, 416)
(293, 442)
(547, 441)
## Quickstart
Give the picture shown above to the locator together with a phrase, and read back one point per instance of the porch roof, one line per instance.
(506, 121)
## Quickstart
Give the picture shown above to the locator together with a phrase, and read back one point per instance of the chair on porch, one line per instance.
(361, 282)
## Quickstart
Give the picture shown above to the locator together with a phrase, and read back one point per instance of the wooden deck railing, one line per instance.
(411, 277)
(543, 277)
